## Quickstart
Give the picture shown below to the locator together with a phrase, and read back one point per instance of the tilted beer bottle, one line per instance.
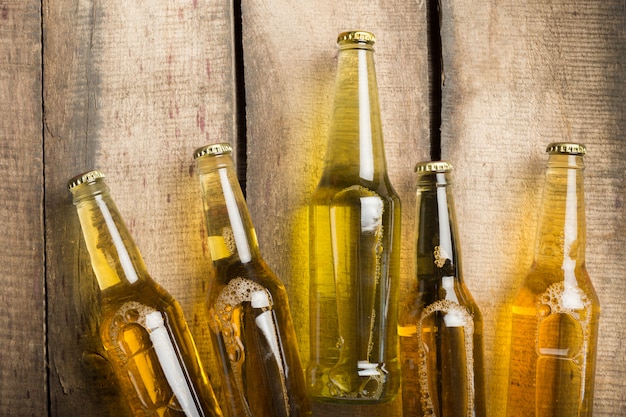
(142, 327)
(556, 310)
(354, 224)
(249, 316)
(440, 326)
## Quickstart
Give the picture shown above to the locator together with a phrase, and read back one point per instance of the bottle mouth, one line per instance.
(84, 178)
(566, 155)
(355, 36)
(213, 150)
(359, 39)
(566, 148)
(433, 166)
(87, 185)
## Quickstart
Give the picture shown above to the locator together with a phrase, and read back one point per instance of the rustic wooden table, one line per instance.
(133, 87)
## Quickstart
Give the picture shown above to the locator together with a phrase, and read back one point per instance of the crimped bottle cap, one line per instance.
(566, 148)
(356, 36)
(433, 166)
(89, 176)
(213, 150)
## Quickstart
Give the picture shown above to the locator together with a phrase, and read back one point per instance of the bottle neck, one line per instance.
(561, 233)
(115, 258)
(438, 253)
(231, 234)
(355, 147)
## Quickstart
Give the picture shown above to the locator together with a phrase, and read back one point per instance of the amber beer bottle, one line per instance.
(354, 224)
(556, 310)
(249, 316)
(142, 327)
(440, 325)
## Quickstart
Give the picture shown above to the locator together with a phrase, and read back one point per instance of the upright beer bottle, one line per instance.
(249, 316)
(354, 216)
(440, 326)
(142, 327)
(556, 311)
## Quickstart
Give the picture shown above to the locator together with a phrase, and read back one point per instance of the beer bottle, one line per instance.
(440, 326)
(142, 326)
(249, 317)
(354, 224)
(556, 310)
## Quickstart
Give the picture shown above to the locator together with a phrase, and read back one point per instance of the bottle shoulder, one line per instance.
(245, 277)
(328, 188)
(545, 281)
(454, 290)
(146, 292)
(424, 300)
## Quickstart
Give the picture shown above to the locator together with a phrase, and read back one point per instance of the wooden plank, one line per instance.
(518, 76)
(131, 89)
(22, 301)
(290, 53)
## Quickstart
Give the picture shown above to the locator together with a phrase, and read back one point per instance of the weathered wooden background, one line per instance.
(133, 87)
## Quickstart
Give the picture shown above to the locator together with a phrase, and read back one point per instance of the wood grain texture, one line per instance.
(519, 76)
(22, 300)
(290, 55)
(131, 89)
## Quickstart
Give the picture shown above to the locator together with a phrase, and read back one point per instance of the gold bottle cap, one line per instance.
(356, 36)
(566, 148)
(213, 150)
(433, 166)
(89, 176)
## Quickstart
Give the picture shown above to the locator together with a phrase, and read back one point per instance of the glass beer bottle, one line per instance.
(249, 316)
(440, 326)
(142, 327)
(556, 311)
(354, 224)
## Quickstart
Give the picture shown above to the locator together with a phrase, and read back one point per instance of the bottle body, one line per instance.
(440, 325)
(556, 311)
(254, 338)
(354, 239)
(142, 327)
(149, 344)
(354, 224)
(249, 317)
(553, 348)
